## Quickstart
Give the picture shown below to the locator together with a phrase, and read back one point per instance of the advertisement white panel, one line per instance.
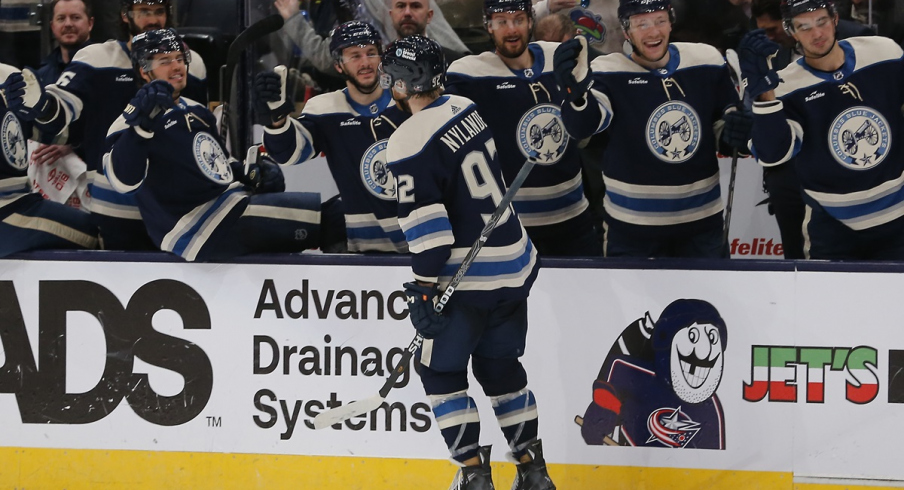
(239, 358)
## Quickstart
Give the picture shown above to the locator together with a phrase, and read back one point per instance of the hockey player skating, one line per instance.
(516, 91)
(352, 127)
(27, 220)
(95, 88)
(449, 180)
(195, 201)
(838, 110)
(665, 107)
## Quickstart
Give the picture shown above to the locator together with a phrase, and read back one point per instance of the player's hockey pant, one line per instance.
(33, 223)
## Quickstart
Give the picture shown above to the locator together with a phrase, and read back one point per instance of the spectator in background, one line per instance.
(71, 26)
(405, 16)
(886, 16)
(606, 9)
(780, 182)
(554, 28)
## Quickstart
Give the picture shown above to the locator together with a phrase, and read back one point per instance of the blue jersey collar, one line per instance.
(536, 68)
(670, 67)
(850, 61)
(373, 109)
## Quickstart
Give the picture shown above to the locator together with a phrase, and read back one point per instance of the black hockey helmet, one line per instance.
(413, 65)
(792, 8)
(491, 7)
(354, 33)
(127, 4)
(147, 44)
(627, 8)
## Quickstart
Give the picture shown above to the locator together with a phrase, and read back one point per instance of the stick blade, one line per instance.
(345, 412)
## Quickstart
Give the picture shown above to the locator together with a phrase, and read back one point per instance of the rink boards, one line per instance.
(120, 374)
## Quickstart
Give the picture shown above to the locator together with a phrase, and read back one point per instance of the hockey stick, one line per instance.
(245, 39)
(734, 68)
(345, 412)
(606, 439)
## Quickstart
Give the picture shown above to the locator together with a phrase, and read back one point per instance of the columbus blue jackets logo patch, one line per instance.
(12, 142)
(375, 173)
(541, 134)
(673, 132)
(671, 427)
(859, 138)
(211, 159)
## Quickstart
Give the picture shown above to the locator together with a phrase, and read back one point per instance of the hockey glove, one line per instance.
(755, 53)
(737, 129)
(571, 68)
(601, 415)
(421, 304)
(271, 178)
(148, 105)
(270, 101)
(27, 99)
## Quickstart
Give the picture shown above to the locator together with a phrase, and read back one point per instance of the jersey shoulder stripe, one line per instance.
(615, 63)
(871, 50)
(696, 54)
(328, 103)
(549, 50)
(110, 54)
(483, 65)
(424, 126)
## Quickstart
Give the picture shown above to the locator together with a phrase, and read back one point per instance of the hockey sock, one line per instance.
(458, 421)
(517, 416)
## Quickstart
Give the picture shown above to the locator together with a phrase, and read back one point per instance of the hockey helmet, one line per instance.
(147, 44)
(491, 7)
(127, 4)
(413, 65)
(627, 8)
(792, 8)
(353, 33)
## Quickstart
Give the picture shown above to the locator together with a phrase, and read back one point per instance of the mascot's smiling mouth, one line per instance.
(696, 370)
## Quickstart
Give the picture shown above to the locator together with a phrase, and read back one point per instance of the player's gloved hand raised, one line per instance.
(755, 53)
(269, 91)
(737, 129)
(151, 101)
(601, 415)
(27, 99)
(421, 304)
(571, 68)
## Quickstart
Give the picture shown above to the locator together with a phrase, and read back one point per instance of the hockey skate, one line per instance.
(475, 477)
(532, 475)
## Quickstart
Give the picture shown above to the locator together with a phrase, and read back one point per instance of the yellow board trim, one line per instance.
(78, 469)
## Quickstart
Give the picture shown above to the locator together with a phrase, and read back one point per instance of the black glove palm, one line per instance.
(737, 129)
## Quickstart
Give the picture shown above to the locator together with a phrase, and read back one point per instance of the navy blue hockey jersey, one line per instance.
(522, 109)
(354, 138)
(13, 151)
(846, 128)
(660, 167)
(180, 179)
(449, 183)
(96, 87)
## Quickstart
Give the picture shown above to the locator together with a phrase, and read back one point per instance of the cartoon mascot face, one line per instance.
(690, 339)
